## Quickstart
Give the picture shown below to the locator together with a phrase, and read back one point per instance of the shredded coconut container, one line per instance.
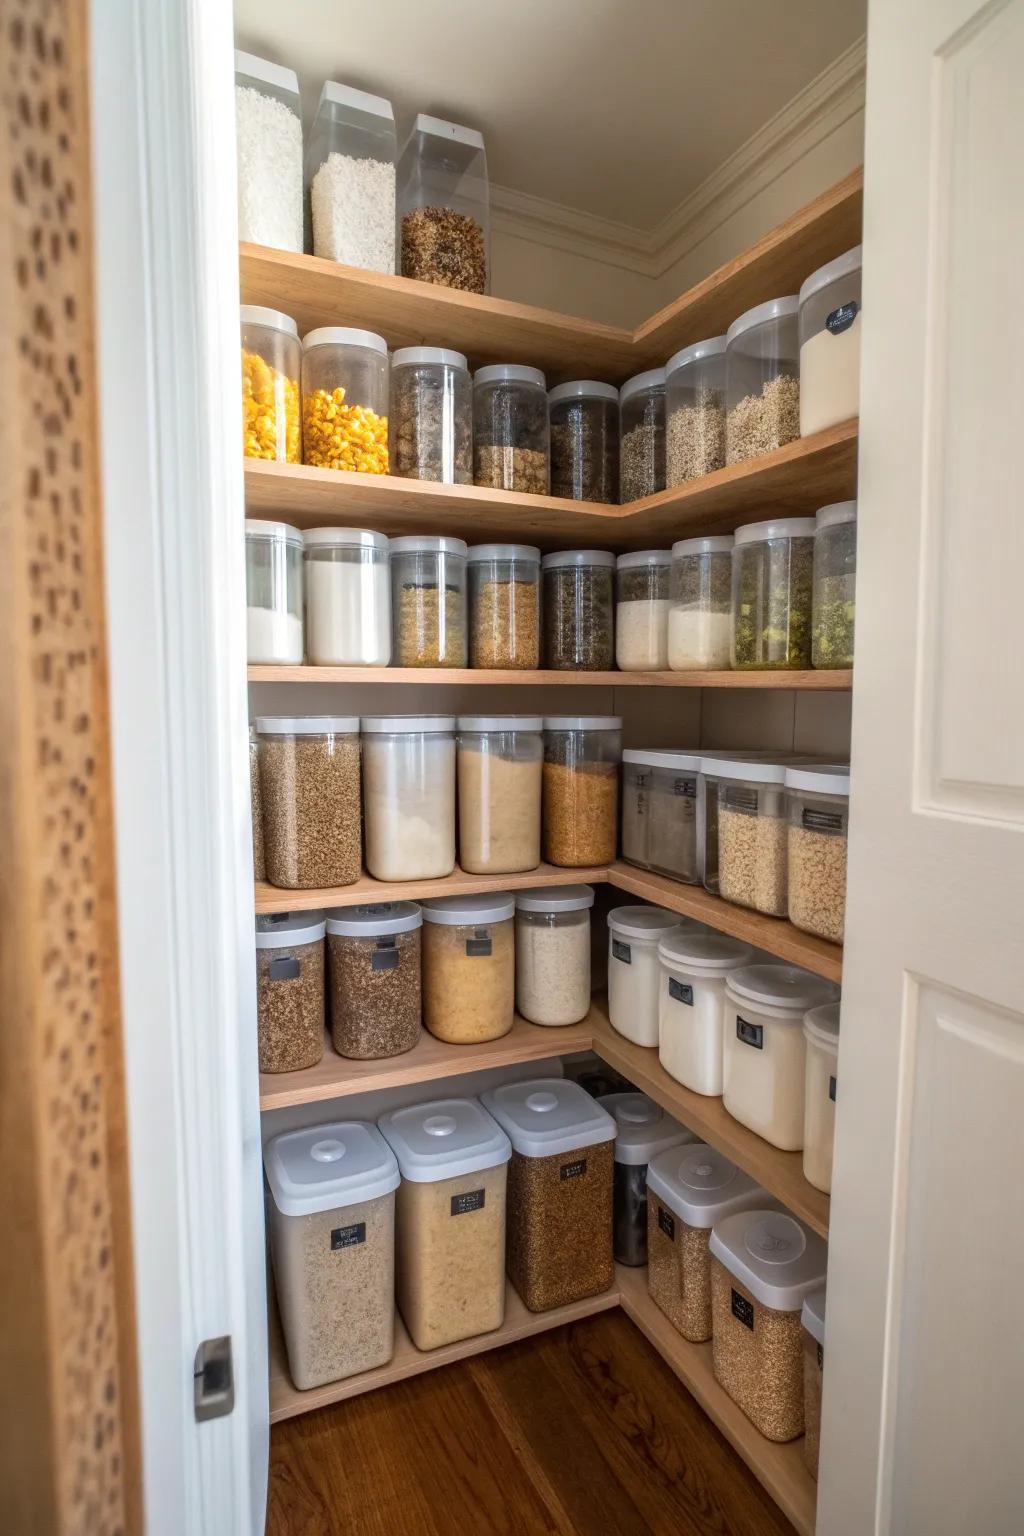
(763, 1052)
(553, 953)
(643, 1130)
(350, 175)
(268, 139)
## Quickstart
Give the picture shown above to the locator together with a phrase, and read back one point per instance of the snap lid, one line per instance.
(772, 309)
(323, 1167)
(565, 557)
(549, 1115)
(712, 952)
(478, 552)
(812, 1315)
(643, 1127)
(257, 314)
(835, 512)
(582, 389)
(714, 346)
(653, 378)
(279, 930)
(777, 528)
(747, 770)
(821, 1024)
(267, 71)
(559, 898)
(401, 725)
(373, 918)
(700, 1185)
(345, 538)
(711, 544)
(349, 96)
(636, 922)
(500, 723)
(470, 911)
(344, 336)
(639, 557)
(427, 544)
(777, 1258)
(307, 725)
(439, 356)
(826, 780)
(662, 757)
(583, 722)
(842, 266)
(258, 528)
(444, 1139)
(439, 128)
(509, 373)
(781, 986)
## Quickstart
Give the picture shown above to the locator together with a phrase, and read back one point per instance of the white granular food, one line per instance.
(829, 378)
(348, 613)
(553, 972)
(272, 637)
(641, 635)
(698, 639)
(269, 144)
(353, 203)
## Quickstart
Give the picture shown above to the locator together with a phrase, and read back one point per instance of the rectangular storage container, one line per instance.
(691, 1004)
(350, 175)
(268, 144)
(818, 807)
(821, 1033)
(659, 811)
(750, 851)
(444, 205)
(643, 1130)
(763, 1050)
(812, 1317)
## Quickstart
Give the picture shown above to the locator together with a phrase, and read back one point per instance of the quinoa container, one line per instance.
(431, 416)
(700, 606)
(560, 1184)
(818, 802)
(812, 1319)
(273, 593)
(451, 1219)
(830, 304)
(290, 990)
(499, 760)
(695, 411)
(691, 1005)
(504, 606)
(553, 953)
(350, 178)
(834, 585)
(642, 435)
(469, 967)
(821, 1032)
(584, 417)
(641, 610)
(580, 801)
(763, 1050)
(772, 594)
(309, 787)
(764, 1264)
(634, 974)
(373, 956)
(409, 796)
(271, 366)
(348, 597)
(643, 1131)
(510, 428)
(762, 379)
(428, 601)
(268, 140)
(749, 863)
(444, 206)
(345, 400)
(579, 610)
(332, 1241)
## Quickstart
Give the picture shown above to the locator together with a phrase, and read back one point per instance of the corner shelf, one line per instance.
(417, 677)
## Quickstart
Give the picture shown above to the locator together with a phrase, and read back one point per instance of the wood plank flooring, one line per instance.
(583, 1431)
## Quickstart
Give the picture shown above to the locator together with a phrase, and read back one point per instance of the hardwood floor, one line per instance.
(580, 1432)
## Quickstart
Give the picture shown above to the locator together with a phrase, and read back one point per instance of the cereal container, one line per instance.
(762, 379)
(553, 953)
(821, 1032)
(812, 1318)
(695, 411)
(499, 760)
(350, 174)
(642, 435)
(290, 990)
(271, 365)
(584, 440)
(830, 306)
(409, 796)
(634, 974)
(691, 1004)
(273, 593)
(469, 967)
(510, 428)
(309, 786)
(444, 205)
(580, 803)
(428, 601)
(431, 415)
(268, 143)
(643, 1131)
(763, 1050)
(345, 400)
(373, 955)
(819, 813)
(504, 606)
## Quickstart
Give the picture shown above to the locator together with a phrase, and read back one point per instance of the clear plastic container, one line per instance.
(345, 400)
(707, 811)
(584, 417)
(309, 786)
(350, 174)
(431, 416)
(834, 603)
(641, 610)
(659, 823)
(579, 610)
(444, 206)
(559, 1190)
(451, 1219)
(348, 597)
(764, 1263)
(764, 1057)
(268, 142)
(271, 368)
(428, 601)
(332, 1240)
(695, 411)
(830, 305)
(642, 435)
(819, 812)
(510, 428)
(273, 593)
(812, 1320)
(580, 803)
(772, 571)
(553, 953)
(504, 606)
(700, 611)
(821, 1032)
(691, 1005)
(751, 833)
(373, 955)
(762, 379)
(689, 1190)
(259, 863)
(499, 760)
(290, 990)
(469, 967)
(637, 768)
(409, 796)
(643, 1130)
(634, 974)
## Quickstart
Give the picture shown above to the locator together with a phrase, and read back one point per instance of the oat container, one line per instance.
(553, 953)
(373, 956)
(763, 1049)
(345, 400)
(510, 428)
(772, 587)
(271, 366)
(642, 435)
(431, 415)
(268, 143)
(762, 379)
(834, 595)
(584, 417)
(444, 206)
(641, 610)
(821, 1033)
(290, 990)
(580, 802)
(812, 1319)
(499, 760)
(818, 802)
(830, 305)
(695, 411)
(634, 973)
(643, 1131)
(428, 601)
(751, 833)
(348, 597)
(504, 606)
(273, 594)
(691, 1005)
(409, 796)
(469, 967)
(350, 176)
(700, 607)
(579, 610)
(309, 786)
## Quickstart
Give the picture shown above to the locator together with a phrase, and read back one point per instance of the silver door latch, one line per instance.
(214, 1379)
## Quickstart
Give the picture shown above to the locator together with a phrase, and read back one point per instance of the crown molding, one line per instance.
(561, 228)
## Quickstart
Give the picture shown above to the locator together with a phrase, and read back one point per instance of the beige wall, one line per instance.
(540, 274)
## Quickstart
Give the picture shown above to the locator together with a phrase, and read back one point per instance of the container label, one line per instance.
(285, 968)
(742, 800)
(667, 1223)
(385, 956)
(680, 991)
(687, 787)
(822, 821)
(471, 1201)
(480, 945)
(348, 1237)
(842, 318)
(621, 952)
(573, 1170)
(742, 1309)
(832, 1089)
(750, 1034)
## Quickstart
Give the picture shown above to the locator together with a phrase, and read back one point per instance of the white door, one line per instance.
(924, 1359)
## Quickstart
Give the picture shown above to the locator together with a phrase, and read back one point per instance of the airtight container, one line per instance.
(443, 205)
(290, 990)
(309, 786)
(634, 974)
(499, 760)
(772, 573)
(350, 174)
(451, 1219)
(833, 605)
(672, 815)
(428, 601)
(580, 801)
(764, 1263)
(812, 1319)
(504, 606)
(821, 1033)
(642, 435)
(643, 1130)
(637, 768)
(751, 833)
(830, 305)
(762, 379)
(584, 417)
(348, 597)
(641, 610)
(559, 1190)
(469, 967)
(819, 811)
(695, 411)
(409, 796)
(271, 366)
(268, 143)
(700, 605)
(431, 415)
(579, 610)
(273, 593)
(373, 955)
(691, 1005)
(763, 1049)
(707, 811)
(259, 863)
(345, 400)
(332, 1241)
(689, 1190)
(553, 953)
(510, 428)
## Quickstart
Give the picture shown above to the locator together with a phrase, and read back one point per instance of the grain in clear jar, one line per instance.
(695, 411)
(762, 379)
(290, 990)
(814, 1374)
(553, 953)
(309, 786)
(579, 610)
(510, 429)
(700, 612)
(271, 365)
(428, 601)
(469, 967)
(504, 606)
(431, 416)
(642, 435)
(584, 419)
(581, 789)
(641, 610)
(752, 836)
(498, 760)
(374, 967)
(818, 801)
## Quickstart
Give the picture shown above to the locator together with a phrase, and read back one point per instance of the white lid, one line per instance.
(821, 1024)
(641, 922)
(712, 952)
(712, 544)
(307, 725)
(643, 1129)
(582, 389)
(777, 1258)
(401, 725)
(325, 1166)
(700, 1185)
(258, 528)
(257, 314)
(777, 528)
(835, 512)
(427, 544)
(549, 1115)
(558, 898)
(470, 911)
(349, 538)
(658, 757)
(841, 266)
(812, 1315)
(266, 70)
(749, 772)
(654, 378)
(577, 557)
(378, 917)
(780, 986)
(503, 552)
(275, 930)
(349, 96)
(500, 723)
(444, 1140)
(773, 309)
(714, 346)
(583, 722)
(406, 356)
(509, 373)
(830, 780)
(444, 130)
(343, 335)
(644, 557)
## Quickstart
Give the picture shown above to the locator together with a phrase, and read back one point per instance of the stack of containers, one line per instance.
(764, 1058)
(643, 1131)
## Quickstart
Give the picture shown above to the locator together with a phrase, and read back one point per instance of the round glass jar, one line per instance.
(553, 953)
(431, 416)
(752, 834)
(428, 602)
(348, 597)
(273, 594)
(821, 1035)
(409, 796)
(641, 610)
(691, 1005)
(373, 960)
(772, 583)
(763, 1056)
(642, 435)
(700, 609)
(469, 967)
(268, 146)
(830, 304)
(643, 1130)
(634, 974)
(504, 606)
(443, 205)
(581, 789)
(695, 411)
(579, 610)
(584, 419)
(510, 428)
(271, 366)
(350, 173)
(834, 601)
(762, 379)
(499, 760)
(290, 990)
(309, 786)
(819, 811)
(345, 400)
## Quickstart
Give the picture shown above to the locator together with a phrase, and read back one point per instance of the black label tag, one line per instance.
(284, 968)
(348, 1237)
(385, 957)
(573, 1170)
(742, 1309)
(750, 1034)
(742, 800)
(687, 787)
(481, 945)
(472, 1201)
(621, 952)
(832, 1089)
(823, 821)
(667, 1222)
(680, 991)
(842, 318)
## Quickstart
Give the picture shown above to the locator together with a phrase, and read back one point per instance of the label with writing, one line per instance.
(284, 968)
(742, 1309)
(667, 1222)
(742, 800)
(348, 1237)
(573, 1170)
(832, 1089)
(680, 991)
(473, 1200)
(823, 821)
(842, 318)
(481, 945)
(621, 952)
(750, 1034)
(687, 787)
(385, 956)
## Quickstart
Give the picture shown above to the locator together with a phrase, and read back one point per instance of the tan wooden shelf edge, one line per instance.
(417, 677)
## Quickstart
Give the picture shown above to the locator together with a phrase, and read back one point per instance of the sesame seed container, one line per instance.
(821, 1033)
(642, 435)
(818, 802)
(772, 594)
(812, 1319)
(431, 416)
(641, 610)
(444, 205)
(345, 400)
(695, 411)
(309, 786)
(271, 368)
(579, 610)
(504, 606)
(762, 379)
(834, 600)
(290, 990)
(700, 612)
(510, 428)
(469, 967)
(273, 593)
(553, 953)
(350, 176)
(584, 418)
(763, 1058)
(409, 796)
(373, 956)
(634, 974)
(268, 143)
(643, 1130)
(751, 833)
(428, 601)
(691, 1004)
(830, 305)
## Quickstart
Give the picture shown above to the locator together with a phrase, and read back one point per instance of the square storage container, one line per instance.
(812, 1318)
(700, 606)
(772, 594)
(559, 1191)
(309, 786)
(259, 863)
(290, 990)
(451, 1219)
(584, 416)
(818, 802)
(271, 369)
(834, 598)
(634, 972)
(553, 953)
(763, 1266)
(762, 379)
(672, 815)
(504, 606)
(409, 795)
(348, 597)
(428, 601)
(641, 610)
(643, 1130)
(695, 411)
(332, 1241)
(821, 1032)
(763, 1051)
(637, 768)
(691, 1005)
(510, 428)
(373, 957)
(345, 400)
(580, 803)
(469, 967)
(642, 435)
(830, 303)
(499, 760)
(689, 1190)
(273, 594)
(579, 610)
(444, 205)
(431, 416)
(350, 173)
(268, 143)
(751, 833)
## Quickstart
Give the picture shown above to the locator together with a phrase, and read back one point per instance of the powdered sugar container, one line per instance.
(350, 178)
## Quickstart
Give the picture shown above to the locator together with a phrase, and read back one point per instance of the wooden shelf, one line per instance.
(416, 677)
(270, 898)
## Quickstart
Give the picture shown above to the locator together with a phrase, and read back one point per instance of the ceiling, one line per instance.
(619, 108)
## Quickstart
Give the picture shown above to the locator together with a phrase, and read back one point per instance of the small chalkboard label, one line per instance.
(481, 945)
(842, 318)
(742, 1309)
(832, 1089)
(822, 821)
(284, 968)
(471, 1201)
(573, 1170)
(667, 1222)
(687, 787)
(385, 957)
(680, 991)
(750, 1034)
(348, 1237)
(621, 952)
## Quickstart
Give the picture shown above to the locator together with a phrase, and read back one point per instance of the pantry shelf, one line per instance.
(271, 898)
(832, 682)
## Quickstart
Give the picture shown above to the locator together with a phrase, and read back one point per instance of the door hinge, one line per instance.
(214, 1379)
